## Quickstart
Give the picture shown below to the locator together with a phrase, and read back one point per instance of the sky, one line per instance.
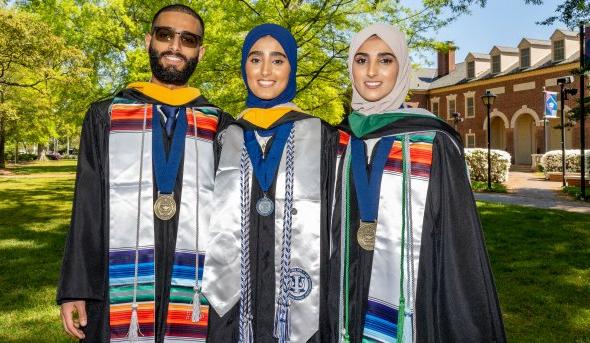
(501, 22)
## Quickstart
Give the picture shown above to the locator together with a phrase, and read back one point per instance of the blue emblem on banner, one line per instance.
(299, 284)
(550, 105)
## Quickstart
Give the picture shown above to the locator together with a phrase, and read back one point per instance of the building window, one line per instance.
(452, 107)
(435, 108)
(471, 69)
(470, 139)
(469, 107)
(496, 67)
(525, 58)
(558, 50)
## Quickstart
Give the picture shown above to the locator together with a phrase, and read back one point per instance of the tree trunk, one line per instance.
(15, 153)
(41, 150)
(2, 143)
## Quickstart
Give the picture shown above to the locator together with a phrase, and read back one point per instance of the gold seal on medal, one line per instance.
(165, 206)
(366, 235)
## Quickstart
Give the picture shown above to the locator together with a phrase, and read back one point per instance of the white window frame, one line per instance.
(467, 136)
(562, 41)
(437, 112)
(522, 58)
(469, 95)
(451, 97)
(499, 64)
(470, 69)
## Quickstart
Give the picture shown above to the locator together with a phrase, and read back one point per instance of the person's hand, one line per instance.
(72, 325)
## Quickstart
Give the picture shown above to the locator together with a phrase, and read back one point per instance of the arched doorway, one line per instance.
(524, 138)
(498, 135)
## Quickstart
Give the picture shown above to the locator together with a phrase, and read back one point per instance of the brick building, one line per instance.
(517, 76)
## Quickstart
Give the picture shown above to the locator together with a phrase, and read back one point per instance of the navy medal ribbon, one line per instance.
(368, 188)
(166, 168)
(265, 167)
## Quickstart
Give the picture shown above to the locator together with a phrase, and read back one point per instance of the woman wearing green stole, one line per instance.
(413, 265)
(267, 271)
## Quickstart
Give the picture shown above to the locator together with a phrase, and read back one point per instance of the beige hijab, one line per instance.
(396, 40)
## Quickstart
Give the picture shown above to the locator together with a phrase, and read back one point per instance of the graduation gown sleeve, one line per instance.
(456, 296)
(82, 273)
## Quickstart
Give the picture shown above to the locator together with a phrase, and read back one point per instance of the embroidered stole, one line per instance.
(392, 290)
(131, 225)
(226, 276)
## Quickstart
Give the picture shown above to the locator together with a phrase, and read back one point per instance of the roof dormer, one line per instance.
(503, 58)
(476, 64)
(564, 44)
(533, 51)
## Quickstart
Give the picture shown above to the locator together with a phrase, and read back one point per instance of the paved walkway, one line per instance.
(530, 189)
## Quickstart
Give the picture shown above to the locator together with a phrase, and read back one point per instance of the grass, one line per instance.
(482, 186)
(34, 216)
(540, 258)
(541, 263)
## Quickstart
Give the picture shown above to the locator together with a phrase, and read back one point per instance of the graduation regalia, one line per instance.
(138, 274)
(266, 271)
(411, 263)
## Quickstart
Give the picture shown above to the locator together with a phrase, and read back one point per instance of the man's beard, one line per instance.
(171, 75)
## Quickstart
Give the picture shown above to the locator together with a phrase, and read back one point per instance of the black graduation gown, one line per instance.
(262, 251)
(84, 273)
(456, 298)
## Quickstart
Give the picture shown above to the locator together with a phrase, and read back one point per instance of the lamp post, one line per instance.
(488, 100)
(456, 119)
(563, 93)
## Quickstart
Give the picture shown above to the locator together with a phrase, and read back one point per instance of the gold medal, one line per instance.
(366, 235)
(165, 206)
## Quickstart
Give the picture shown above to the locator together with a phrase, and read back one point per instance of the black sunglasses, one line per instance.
(166, 34)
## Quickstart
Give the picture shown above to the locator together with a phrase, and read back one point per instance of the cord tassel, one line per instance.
(134, 331)
(196, 314)
(249, 331)
(282, 329)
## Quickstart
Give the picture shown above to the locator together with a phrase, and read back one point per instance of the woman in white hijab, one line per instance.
(413, 264)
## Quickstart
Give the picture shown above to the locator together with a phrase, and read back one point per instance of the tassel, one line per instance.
(249, 330)
(196, 314)
(282, 329)
(134, 332)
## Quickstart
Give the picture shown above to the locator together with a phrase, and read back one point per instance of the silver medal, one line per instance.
(265, 206)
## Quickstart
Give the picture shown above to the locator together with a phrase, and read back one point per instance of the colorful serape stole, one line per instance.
(131, 239)
(390, 310)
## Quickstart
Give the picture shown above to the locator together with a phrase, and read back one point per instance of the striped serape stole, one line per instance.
(121, 275)
(180, 326)
(399, 244)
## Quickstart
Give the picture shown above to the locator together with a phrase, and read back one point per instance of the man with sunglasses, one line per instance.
(144, 183)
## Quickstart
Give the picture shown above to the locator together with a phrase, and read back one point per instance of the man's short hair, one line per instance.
(183, 9)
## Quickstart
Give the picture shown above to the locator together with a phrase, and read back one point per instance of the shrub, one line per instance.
(22, 157)
(551, 160)
(477, 163)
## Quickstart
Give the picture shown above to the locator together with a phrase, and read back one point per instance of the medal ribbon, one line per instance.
(166, 169)
(265, 168)
(368, 189)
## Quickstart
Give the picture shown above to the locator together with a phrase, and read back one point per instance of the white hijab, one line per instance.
(396, 40)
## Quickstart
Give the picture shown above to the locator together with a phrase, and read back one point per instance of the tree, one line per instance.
(110, 35)
(33, 61)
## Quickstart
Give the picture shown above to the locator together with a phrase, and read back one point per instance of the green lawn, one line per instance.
(541, 261)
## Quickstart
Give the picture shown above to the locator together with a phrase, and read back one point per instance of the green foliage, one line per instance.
(111, 34)
(576, 192)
